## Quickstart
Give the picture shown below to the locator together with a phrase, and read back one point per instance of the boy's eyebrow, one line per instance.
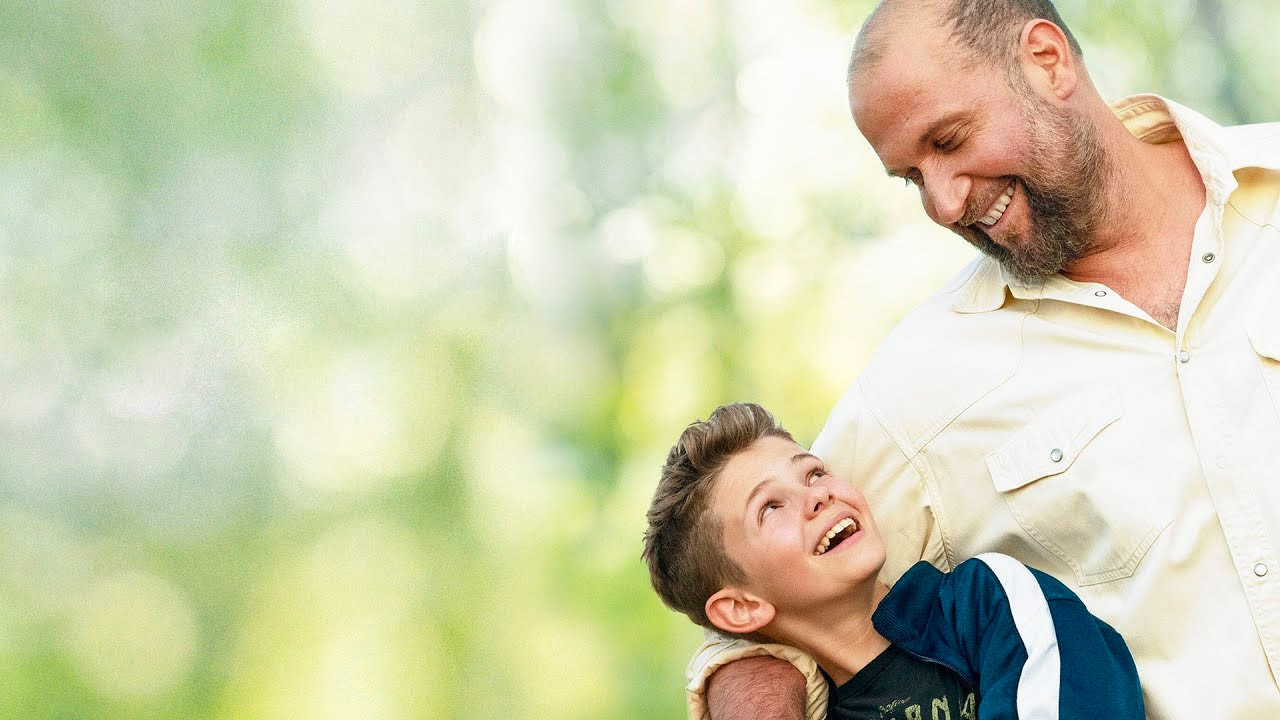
(755, 490)
(794, 459)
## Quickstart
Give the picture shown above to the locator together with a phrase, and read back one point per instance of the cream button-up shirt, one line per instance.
(1060, 424)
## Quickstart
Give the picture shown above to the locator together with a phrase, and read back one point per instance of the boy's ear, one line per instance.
(737, 611)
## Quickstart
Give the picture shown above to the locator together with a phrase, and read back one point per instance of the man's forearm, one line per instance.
(756, 688)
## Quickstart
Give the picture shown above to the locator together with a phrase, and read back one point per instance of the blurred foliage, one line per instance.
(342, 341)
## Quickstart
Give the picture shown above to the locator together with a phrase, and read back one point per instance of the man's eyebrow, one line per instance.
(934, 128)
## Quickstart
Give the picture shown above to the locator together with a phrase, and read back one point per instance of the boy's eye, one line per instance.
(770, 505)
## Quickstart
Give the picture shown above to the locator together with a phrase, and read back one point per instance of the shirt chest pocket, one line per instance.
(1078, 500)
(1264, 335)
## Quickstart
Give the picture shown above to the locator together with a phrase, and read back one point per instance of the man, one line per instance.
(1099, 395)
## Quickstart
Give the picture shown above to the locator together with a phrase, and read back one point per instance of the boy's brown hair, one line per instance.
(683, 544)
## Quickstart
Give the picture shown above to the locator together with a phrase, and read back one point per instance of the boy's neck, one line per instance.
(842, 639)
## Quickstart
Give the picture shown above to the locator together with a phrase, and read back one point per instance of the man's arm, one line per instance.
(755, 688)
(736, 679)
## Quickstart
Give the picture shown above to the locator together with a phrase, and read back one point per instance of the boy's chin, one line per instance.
(815, 609)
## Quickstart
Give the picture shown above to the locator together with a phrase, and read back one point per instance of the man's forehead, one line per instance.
(896, 103)
(910, 50)
(893, 114)
(899, 73)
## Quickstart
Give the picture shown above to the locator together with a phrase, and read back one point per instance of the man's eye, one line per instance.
(913, 178)
(771, 505)
(813, 476)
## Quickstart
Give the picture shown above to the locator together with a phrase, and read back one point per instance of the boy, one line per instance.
(749, 535)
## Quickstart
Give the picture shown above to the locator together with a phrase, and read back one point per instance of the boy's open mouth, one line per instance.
(838, 533)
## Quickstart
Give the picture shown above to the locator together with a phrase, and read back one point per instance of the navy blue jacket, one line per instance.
(1020, 638)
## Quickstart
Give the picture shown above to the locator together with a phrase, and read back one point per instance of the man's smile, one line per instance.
(997, 208)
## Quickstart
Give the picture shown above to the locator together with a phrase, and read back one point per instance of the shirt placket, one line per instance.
(1208, 403)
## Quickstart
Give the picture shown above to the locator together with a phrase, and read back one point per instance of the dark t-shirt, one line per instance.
(899, 686)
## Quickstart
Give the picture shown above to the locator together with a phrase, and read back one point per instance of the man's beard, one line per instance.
(1064, 186)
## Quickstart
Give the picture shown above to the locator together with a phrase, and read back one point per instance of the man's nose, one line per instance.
(946, 198)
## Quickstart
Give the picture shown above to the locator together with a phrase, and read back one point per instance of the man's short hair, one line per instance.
(988, 31)
(684, 545)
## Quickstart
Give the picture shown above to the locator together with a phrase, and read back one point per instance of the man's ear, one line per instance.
(736, 611)
(1048, 61)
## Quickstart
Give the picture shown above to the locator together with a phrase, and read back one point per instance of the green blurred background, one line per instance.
(341, 342)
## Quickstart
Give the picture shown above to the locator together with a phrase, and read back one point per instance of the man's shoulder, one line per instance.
(1153, 119)
(954, 348)
(1263, 135)
(1255, 145)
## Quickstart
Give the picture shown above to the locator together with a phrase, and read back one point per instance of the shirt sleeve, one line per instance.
(1030, 644)
(719, 650)
(856, 445)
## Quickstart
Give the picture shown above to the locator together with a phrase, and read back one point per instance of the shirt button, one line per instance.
(1184, 357)
(1208, 257)
(1055, 455)
(1101, 293)
(1260, 570)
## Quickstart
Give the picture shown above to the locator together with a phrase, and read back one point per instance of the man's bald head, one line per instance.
(984, 31)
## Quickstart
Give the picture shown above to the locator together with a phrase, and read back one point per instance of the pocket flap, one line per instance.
(1264, 334)
(1050, 443)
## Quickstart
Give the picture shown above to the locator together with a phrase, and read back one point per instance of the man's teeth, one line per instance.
(835, 530)
(993, 215)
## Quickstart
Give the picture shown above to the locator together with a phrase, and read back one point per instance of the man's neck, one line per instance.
(1143, 245)
(842, 641)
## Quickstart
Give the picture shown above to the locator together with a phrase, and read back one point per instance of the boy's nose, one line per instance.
(819, 497)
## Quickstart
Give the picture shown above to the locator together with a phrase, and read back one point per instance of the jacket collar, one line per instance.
(911, 598)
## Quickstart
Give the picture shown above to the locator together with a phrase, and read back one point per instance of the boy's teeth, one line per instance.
(835, 530)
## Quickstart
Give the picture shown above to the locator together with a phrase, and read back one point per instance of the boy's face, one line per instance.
(778, 507)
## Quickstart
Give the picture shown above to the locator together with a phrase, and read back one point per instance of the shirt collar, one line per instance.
(1218, 152)
(981, 287)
